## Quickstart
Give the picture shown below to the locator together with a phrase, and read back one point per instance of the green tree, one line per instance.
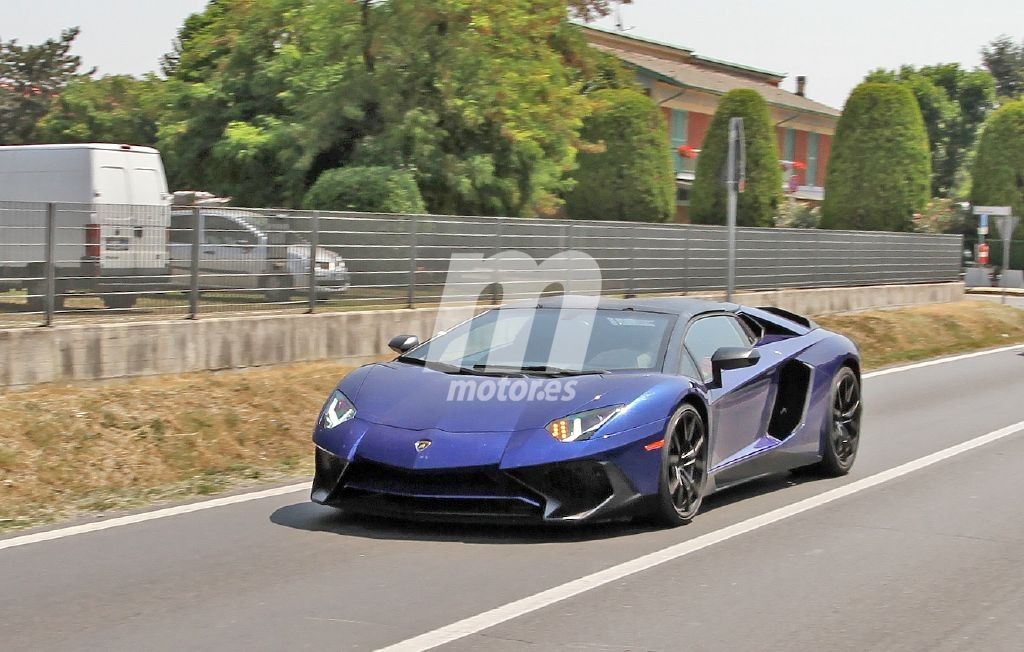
(632, 176)
(759, 202)
(999, 166)
(111, 109)
(1004, 58)
(879, 174)
(368, 189)
(954, 103)
(474, 97)
(30, 77)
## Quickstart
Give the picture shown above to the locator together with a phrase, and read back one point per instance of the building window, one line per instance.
(789, 145)
(679, 128)
(813, 145)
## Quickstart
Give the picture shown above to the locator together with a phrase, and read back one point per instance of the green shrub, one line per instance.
(367, 189)
(797, 215)
(880, 172)
(999, 166)
(633, 178)
(759, 203)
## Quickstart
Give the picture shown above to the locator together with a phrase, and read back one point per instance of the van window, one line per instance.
(146, 186)
(112, 185)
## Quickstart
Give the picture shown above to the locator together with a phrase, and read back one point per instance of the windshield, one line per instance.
(552, 339)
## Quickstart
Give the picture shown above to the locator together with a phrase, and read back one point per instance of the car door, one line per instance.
(228, 256)
(739, 408)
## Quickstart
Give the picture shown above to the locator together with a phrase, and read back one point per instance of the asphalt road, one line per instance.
(931, 559)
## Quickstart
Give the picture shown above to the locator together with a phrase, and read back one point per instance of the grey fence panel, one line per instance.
(141, 261)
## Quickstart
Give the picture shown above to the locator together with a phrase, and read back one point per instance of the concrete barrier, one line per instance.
(30, 356)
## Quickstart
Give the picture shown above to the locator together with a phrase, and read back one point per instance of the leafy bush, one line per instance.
(633, 177)
(999, 165)
(880, 171)
(797, 215)
(760, 201)
(368, 189)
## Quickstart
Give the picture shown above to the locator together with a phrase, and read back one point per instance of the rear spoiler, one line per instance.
(793, 317)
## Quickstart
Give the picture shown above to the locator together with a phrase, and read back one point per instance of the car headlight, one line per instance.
(337, 411)
(582, 425)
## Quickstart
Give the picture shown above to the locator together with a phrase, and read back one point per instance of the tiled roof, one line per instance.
(707, 78)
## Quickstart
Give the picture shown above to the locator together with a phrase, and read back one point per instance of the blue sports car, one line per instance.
(575, 409)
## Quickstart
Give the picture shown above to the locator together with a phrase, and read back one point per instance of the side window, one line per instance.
(708, 334)
(181, 229)
(222, 231)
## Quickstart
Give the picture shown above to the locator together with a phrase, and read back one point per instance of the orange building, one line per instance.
(688, 87)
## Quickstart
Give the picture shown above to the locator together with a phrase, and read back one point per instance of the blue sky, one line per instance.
(833, 42)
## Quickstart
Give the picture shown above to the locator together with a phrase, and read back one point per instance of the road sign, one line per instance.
(983, 224)
(993, 210)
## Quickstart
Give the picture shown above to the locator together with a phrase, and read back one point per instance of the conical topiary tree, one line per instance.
(760, 199)
(999, 165)
(880, 171)
(633, 178)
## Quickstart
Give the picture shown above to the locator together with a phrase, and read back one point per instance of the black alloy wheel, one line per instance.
(684, 467)
(842, 439)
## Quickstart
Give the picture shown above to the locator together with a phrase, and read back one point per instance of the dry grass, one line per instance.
(888, 337)
(80, 449)
(67, 450)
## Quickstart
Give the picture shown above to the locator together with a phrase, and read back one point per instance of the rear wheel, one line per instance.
(842, 436)
(684, 468)
(119, 300)
(37, 297)
(278, 289)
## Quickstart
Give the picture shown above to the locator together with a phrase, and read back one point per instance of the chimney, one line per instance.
(801, 86)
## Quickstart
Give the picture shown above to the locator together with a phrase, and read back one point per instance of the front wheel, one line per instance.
(684, 467)
(842, 435)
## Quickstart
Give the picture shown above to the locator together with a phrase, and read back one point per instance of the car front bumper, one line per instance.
(561, 492)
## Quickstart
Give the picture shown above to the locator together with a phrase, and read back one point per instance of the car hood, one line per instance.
(415, 398)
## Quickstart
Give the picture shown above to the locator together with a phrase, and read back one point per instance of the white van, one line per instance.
(112, 218)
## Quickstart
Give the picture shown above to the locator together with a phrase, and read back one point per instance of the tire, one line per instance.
(120, 301)
(37, 298)
(841, 432)
(278, 289)
(684, 468)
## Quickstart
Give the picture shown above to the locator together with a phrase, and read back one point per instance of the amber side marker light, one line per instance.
(655, 445)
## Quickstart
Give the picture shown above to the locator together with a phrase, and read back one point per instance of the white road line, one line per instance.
(932, 363)
(61, 533)
(488, 619)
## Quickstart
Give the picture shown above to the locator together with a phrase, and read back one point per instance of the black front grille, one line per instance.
(471, 492)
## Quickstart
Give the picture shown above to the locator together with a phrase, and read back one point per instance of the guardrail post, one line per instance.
(193, 290)
(631, 290)
(413, 262)
(497, 276)
(569, 249)
(51, 261)
(314, 242)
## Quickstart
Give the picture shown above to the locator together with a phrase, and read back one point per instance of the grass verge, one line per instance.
(84, 449)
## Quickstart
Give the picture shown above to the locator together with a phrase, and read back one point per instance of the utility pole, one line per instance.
(735, 182)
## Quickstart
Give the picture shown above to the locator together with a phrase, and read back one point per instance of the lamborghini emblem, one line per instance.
(423, 445)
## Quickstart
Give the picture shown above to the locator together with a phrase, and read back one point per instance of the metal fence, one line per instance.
(61, 261)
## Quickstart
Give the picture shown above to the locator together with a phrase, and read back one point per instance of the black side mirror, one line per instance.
(403, 343)
(732, 357)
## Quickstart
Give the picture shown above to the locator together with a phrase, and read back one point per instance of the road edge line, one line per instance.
(499, 615)
(142, 517)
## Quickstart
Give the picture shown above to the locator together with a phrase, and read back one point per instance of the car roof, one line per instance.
(684, 307)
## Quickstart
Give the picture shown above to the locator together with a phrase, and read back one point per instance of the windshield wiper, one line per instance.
(444, 367)
(542, 370)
